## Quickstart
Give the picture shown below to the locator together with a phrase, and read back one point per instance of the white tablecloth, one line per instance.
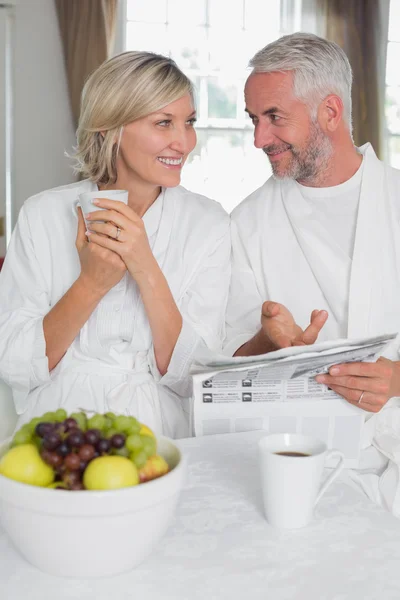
(220, 546)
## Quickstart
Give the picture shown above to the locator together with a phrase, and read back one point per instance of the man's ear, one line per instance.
(330, 113)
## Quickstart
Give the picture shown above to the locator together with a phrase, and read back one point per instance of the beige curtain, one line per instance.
(87, 29)
(359, 28)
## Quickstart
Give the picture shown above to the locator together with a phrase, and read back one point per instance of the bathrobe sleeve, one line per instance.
(203, 309)
(24, 301)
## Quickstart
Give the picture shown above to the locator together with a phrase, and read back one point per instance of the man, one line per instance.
(322, 236)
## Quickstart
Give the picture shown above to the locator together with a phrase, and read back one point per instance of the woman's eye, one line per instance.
(164, 123)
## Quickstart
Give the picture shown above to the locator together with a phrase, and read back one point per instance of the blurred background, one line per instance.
(49, 47)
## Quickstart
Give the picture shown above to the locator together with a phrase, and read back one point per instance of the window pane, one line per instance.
(143, 36)
(222, 96)
(394, 151)
(228, 55)
(149, 12)
(392, 109)
(394, 21)
(188, 47)
(392, 64)
(242, 170)
(263, 16)
(184, 13)
(226, 15)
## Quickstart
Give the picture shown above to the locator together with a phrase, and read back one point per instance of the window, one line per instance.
(212, 42)
(392, 104)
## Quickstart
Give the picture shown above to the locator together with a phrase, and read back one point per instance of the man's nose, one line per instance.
(263, 135)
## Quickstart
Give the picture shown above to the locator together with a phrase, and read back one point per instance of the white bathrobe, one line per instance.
(281, 253)
(110, 366)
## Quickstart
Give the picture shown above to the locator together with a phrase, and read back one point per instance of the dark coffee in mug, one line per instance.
(289, 453)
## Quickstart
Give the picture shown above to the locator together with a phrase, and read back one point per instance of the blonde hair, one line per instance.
(123, 89)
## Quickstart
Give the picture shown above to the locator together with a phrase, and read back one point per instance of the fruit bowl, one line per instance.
(91, 533)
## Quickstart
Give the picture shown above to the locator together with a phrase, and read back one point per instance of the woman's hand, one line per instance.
(101, 268)
(124, 234)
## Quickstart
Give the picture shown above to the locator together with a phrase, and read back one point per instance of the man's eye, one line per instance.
(274, 118)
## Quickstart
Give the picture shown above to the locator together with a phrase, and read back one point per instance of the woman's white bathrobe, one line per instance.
(282, 253)
(110, 366)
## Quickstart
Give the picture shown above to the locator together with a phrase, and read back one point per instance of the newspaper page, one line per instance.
(277, 392)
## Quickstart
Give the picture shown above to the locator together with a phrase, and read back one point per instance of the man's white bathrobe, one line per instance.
(110, 366)
(281, 253)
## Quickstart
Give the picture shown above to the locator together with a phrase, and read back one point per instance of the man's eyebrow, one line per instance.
(269, 111)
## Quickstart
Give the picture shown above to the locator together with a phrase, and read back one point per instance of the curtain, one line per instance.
(360, 27)
(87, 29)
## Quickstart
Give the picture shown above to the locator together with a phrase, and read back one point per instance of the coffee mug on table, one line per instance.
(291, 467)
(86, 199)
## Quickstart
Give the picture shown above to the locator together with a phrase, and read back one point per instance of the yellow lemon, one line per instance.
(24, 463)
(110, 473)
(144, 430)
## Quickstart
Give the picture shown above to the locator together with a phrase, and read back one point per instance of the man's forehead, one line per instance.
(268, 88)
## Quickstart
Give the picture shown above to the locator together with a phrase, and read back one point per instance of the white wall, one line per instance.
(43, 127)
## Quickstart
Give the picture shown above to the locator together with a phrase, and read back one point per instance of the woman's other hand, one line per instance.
(101, 268)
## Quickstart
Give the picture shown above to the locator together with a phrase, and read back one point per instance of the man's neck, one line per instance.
(340, 167)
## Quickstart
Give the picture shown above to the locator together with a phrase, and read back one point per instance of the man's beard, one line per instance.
(309, 164)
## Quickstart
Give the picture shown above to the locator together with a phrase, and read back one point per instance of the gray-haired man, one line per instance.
(322, 236)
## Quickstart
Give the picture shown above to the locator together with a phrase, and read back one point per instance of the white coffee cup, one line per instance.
(291, 485)
(86, 199)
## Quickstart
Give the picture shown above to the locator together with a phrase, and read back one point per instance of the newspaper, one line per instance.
(277, 392)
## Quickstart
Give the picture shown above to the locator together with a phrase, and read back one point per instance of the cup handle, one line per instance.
(333, 475)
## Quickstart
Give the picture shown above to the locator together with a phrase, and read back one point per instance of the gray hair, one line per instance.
(319, 68)
(125, 88)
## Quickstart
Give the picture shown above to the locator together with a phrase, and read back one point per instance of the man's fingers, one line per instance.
(270, 309)
(318, 320)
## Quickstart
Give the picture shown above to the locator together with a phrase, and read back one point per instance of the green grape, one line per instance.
(49, 417)
(121, 451)
(80, 418)
(22, 436)
(110, 415)
(139, 458)
(61, 415)
(32, 424)
(110, 432)
(149, 445)
(134, 426)
(134, 442)
(37, 441)
(97, 421)
(121, 423)
(108, 424)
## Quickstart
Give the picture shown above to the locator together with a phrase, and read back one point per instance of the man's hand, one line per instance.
(281, 330)
(367, 385)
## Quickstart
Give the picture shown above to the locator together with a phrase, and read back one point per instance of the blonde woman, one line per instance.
(109, 318)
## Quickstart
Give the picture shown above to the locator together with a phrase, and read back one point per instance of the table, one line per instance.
(220, 547)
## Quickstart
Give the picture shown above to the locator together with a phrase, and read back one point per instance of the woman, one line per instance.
(110, 318)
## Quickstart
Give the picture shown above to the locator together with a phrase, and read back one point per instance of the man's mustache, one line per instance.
(276, 149)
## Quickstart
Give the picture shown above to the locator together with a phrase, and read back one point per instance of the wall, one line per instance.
(43, 127)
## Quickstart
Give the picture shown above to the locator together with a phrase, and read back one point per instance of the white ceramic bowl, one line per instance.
(90, 533)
